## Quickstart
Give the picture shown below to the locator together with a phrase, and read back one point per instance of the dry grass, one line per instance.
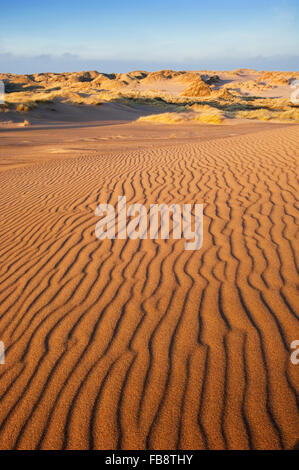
(212, 117)
(198, 102)
(197, 88)
(164, 118)
(207, 116)
(22, 108)
(24, 102)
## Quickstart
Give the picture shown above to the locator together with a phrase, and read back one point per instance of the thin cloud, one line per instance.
(10, 63)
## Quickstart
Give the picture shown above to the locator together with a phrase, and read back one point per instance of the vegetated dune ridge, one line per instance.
(198, 96)
(135, 344)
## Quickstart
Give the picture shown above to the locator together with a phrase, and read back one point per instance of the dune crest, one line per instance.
(237, 95)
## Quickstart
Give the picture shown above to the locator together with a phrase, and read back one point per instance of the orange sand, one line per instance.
(139, 344)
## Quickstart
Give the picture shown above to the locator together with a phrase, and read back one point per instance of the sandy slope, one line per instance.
(135, 344)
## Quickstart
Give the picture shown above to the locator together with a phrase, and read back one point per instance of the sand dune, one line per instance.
(135, 344)
(241, 94)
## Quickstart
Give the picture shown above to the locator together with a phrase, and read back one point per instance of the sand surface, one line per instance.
(135, 344)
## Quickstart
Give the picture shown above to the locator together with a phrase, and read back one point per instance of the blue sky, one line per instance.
(69, 35)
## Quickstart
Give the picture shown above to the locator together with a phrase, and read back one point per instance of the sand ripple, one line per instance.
(140, 344)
